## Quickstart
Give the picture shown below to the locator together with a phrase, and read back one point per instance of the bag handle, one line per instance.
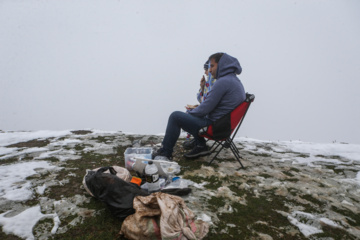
(104, 169)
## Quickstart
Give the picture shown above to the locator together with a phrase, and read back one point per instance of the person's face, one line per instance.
(206, 72)
(213, 67)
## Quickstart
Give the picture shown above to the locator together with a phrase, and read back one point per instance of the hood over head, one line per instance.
(227, 65)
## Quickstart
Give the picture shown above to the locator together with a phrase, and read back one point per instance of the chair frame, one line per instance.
(228, 141)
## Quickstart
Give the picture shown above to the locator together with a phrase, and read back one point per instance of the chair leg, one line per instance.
(232, 147)
(236, 153)
(235, 149)
(219, 143)
(212, 146)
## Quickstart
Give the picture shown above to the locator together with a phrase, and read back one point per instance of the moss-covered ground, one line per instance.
(257, 216)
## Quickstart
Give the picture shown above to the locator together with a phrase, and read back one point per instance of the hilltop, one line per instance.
(288, 190)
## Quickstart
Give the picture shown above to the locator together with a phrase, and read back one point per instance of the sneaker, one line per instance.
(160, 153)
(156, 153)
(189, 144)
(198, 151)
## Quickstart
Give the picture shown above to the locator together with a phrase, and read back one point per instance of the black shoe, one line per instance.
(189, 144)
(198, 151)
(161, 153)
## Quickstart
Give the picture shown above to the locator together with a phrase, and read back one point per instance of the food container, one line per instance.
(131, 153)
(166, 168)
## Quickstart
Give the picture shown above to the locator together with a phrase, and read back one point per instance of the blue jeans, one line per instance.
(181, 120)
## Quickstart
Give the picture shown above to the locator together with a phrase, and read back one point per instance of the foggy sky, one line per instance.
(126, 65)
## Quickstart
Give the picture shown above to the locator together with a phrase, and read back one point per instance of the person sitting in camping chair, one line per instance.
(226, 94)
(205, 88)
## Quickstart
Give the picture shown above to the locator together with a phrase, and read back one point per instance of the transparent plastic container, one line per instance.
(131, 153)
(166, 168)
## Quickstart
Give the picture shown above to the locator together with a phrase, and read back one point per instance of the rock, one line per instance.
(263, 236)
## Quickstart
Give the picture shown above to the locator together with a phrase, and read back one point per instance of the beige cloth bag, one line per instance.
(162, 216)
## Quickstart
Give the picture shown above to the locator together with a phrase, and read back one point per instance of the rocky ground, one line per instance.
(276, 196)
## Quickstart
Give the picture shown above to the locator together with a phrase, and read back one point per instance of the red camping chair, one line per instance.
(222, 130)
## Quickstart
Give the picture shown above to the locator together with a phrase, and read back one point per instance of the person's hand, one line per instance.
(202, 83)
(189, 107)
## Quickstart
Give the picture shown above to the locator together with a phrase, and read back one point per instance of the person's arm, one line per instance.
(200, 94)
(210, 103)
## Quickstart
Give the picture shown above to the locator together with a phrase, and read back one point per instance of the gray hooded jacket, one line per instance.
(226, 94)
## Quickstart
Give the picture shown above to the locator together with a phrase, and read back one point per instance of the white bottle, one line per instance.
(152, 177)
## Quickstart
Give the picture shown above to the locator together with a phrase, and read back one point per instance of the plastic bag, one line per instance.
(163, 216)
(178, 182)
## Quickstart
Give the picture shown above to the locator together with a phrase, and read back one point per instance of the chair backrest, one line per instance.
(236, 117)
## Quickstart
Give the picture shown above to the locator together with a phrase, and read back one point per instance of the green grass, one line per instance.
(352, 218)
(259, 154)
(8, 161)
(264, 175)
(313, 200)
(329, 156)
(81, 132)
(31, 143)
(288, 173)
(8, 236)
(335, 169)
(247, 218)
(334, 233)
(78, 167)
(103, 139)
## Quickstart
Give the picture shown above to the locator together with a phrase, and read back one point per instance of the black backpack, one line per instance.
(116, 193)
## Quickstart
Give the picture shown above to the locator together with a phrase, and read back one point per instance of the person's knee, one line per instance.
(175, 115)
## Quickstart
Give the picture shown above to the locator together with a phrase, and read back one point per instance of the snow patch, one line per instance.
(13, 183)
(309, 224)
(25, 151)
(205, 218)
(305, 229)
(23, 223)
(8, 138)
(41, 189)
